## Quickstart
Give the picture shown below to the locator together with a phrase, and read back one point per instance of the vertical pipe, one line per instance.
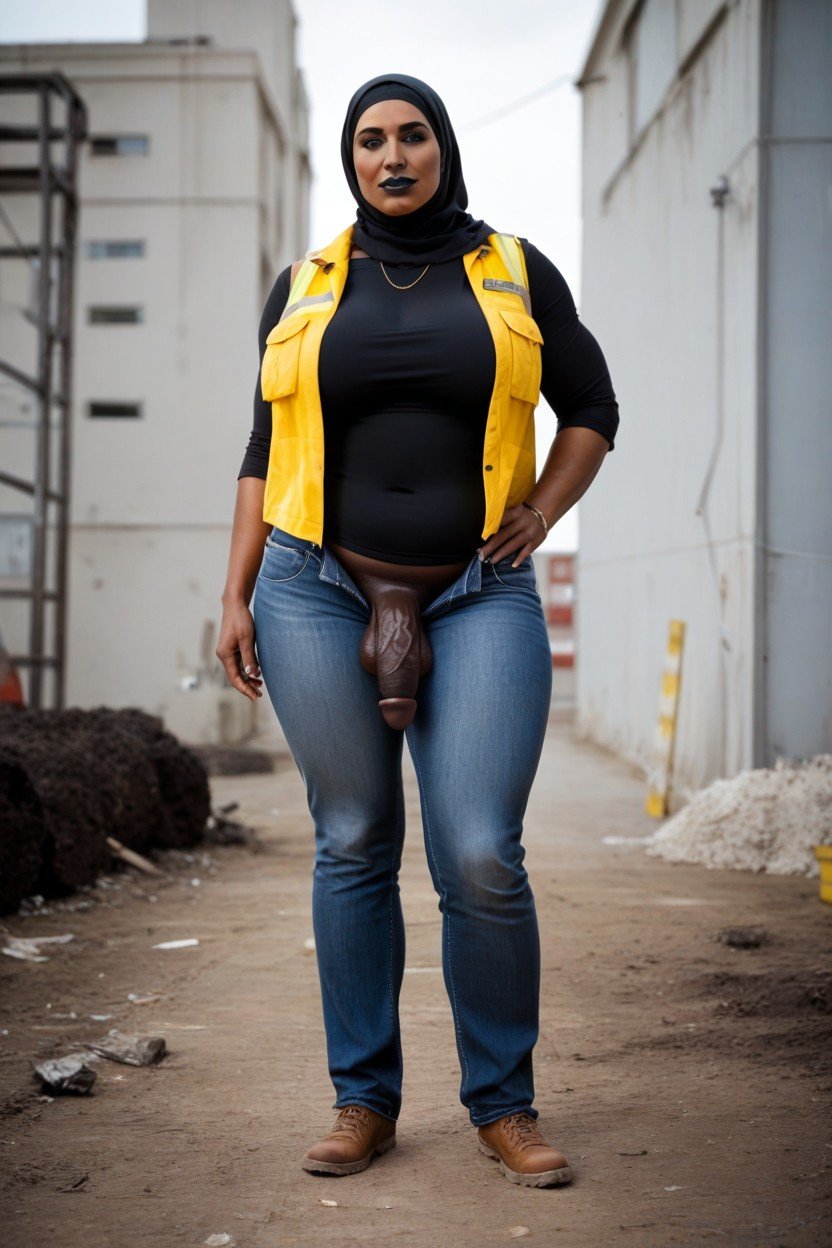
(41, 475)
(75, 128)
(760, 688)
(720, 192)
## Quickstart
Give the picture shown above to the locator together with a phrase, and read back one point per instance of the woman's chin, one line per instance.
(398, 205)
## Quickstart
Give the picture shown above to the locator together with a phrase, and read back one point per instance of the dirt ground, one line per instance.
(689, 1083)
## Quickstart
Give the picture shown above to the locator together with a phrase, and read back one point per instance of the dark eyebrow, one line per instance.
(406, 125)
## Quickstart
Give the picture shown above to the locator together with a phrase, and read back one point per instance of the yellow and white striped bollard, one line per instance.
(658, 781)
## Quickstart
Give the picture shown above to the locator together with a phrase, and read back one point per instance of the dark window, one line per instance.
(114, 249)
(120, 145)
(115, 316)
(102, 408)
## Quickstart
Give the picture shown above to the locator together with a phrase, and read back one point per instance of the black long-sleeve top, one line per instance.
(405, 379)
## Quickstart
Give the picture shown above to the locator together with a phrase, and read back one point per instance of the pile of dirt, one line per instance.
(764, 819)
(776, 1015)
(786, 1015)
(770, 994)
(71, 778)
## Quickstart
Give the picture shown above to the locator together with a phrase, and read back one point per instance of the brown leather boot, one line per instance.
(357, 1134)
(525, 1157)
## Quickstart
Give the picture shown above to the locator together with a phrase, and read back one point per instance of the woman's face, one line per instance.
(394, 143)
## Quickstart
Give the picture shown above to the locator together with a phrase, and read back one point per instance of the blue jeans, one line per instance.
(475, 742)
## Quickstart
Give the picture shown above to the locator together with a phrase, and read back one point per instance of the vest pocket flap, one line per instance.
(286, 329)
(526, 362)
(279, 370)
(522, 324)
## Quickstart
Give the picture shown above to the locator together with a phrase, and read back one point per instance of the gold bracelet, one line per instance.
(539, 515)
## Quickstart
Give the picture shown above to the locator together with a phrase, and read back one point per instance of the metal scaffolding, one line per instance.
(53, 178)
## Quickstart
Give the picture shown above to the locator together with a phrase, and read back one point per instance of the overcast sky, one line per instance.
(522, 168)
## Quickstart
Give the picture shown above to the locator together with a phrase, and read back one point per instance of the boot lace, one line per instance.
(523, 1129)
(351, 1120)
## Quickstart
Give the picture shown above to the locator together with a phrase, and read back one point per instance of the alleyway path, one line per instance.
(692, 1101)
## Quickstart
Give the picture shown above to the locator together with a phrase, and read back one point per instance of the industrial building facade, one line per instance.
(194, 190)
(707, 273)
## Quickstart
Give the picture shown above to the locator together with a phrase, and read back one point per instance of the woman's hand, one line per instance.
(235, 649)
(573, 461)
(520, 531)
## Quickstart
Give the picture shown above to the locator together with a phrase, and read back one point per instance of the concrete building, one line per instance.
(195, 185)
(707, 274)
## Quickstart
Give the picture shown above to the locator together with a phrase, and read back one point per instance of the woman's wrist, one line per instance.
(544, 523)
(235, 596)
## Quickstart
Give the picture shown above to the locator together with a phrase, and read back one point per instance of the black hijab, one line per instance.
(440, 229)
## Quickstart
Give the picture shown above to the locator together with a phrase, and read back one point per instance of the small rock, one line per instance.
(743, 937)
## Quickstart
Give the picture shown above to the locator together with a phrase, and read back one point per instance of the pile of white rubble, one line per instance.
(763, 819)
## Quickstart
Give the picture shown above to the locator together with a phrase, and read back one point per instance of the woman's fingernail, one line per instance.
(248, 669)
(481, 555)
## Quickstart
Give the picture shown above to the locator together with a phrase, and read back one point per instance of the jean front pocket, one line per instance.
(521, 577)
(282, 563)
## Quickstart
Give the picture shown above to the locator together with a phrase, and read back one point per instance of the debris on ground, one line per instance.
(764, 819)
(132, 1050)
(67, 1074)
(132, 858)
(220, 830)
(743, 937)
(27, 948)
(76, 1184)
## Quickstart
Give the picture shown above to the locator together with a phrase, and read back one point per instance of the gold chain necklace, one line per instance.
(397, 287)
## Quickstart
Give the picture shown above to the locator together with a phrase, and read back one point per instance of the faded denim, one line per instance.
(475, 742)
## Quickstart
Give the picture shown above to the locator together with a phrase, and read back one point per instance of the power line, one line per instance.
(521, 102)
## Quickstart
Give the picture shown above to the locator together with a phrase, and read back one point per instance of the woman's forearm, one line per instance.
(575, 457)
(248, 536)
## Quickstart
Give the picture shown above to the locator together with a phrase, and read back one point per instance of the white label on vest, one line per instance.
(495, 283)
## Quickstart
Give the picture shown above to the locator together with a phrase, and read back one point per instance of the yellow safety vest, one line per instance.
(294, 491)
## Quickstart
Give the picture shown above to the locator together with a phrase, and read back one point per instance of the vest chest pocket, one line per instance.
(526, 364)
(279, 370)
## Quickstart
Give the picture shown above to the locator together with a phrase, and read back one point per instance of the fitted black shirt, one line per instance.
(405, 379)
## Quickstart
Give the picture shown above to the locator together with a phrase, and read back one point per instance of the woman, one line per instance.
(412, 390)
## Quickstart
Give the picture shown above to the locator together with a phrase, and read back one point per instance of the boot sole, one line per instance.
(545, 1178)
(348, 1167)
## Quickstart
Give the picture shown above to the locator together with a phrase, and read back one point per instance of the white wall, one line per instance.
(652, 289)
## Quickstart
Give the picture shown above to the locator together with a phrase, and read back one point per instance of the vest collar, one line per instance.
(337, 252)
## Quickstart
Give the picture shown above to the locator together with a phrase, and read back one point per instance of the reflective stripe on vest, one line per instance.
(297, 294)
